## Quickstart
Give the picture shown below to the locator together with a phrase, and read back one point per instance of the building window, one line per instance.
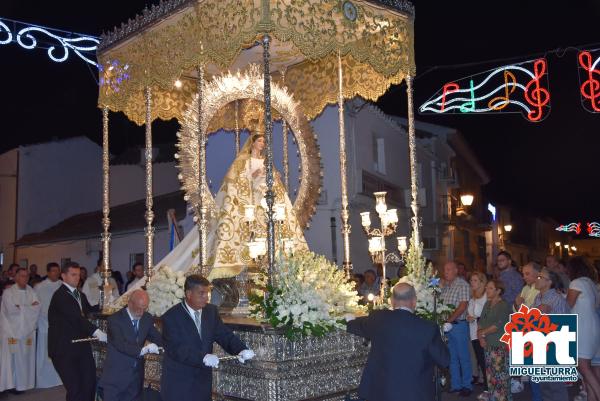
(135, 258)
(429, 243)
(379, 155)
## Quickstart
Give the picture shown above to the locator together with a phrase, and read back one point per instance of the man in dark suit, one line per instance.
(189, 330)
(128, 329)
(67, 320)
(404, 350)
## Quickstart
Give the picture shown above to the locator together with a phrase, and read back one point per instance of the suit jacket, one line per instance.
(184, 376)
(404, 350)
(66, 322)
(123, 361)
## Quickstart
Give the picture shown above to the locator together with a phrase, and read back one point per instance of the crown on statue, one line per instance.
(257, 125)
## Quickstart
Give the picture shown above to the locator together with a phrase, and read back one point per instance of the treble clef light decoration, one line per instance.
(593, 229)
(590, 87)
(536, 95)
(514, 88)
(571, 227)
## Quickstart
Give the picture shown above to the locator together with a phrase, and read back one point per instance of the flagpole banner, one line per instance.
(516, 88)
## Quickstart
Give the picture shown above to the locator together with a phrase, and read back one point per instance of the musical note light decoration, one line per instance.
(589, 79)
(516, 88)
(571, 227)
(593, 229)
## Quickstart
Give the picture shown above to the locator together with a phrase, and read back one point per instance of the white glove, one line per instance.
(447, 327)
(349, 316)
(245, 355)
(100, 335)
(149, 349)
(211, 360)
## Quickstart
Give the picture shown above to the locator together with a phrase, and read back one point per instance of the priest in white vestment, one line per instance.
(19, 314)
(91, 288)
(45, 373)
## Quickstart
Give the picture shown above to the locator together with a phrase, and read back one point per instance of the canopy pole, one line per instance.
(149, 229)
(270, 195)
(237, 127)
(105, 272)
(284, 129)
(202, 205)
(412, 146)
(346, 229)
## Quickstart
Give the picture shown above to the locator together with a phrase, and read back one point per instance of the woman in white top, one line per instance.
(584, 299)
(478, 299)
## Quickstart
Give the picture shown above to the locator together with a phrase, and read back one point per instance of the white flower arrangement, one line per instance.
(423, 278)
(165, 290)
(310, 296)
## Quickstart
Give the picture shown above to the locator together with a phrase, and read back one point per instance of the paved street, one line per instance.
(58, 394)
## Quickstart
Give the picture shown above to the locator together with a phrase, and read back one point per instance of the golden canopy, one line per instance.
(168, 42)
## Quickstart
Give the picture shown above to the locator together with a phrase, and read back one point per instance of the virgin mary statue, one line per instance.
(229, 229)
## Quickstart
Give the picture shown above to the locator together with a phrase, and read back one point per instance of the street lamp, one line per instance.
(376, 237)
(557, 243)
(508, 228)
(466, 200)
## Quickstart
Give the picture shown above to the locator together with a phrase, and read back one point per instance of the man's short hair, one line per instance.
(13, 265)
(136, 264)
(535, 266)
(21, 269)
(406, 295)
(506, 254)
(371, 271)
(194, 281)
(50, 265)
(69, 265)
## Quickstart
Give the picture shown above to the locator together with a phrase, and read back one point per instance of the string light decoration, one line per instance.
(516, 88)
(571, 227)
(112, 74)
(588, 62)
(593, 229)
(59, 44)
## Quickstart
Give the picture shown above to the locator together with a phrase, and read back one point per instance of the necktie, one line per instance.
(136, 327)
(76, 295)
(197, 321)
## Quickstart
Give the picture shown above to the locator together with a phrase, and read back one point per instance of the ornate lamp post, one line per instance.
(388, 223)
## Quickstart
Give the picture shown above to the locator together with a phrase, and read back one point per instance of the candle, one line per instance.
(375, 244)
(280, 212)
(380, 205)
(392, 216)
(402, 246)
(249, 212)
(365, 219)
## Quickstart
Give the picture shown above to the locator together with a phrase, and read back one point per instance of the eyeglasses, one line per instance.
(544, 277)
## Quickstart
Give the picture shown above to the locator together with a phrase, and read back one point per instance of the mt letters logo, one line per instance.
(542, 346)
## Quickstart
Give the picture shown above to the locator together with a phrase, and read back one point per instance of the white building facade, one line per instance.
(68, 227)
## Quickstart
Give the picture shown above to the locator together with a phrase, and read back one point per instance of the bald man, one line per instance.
(404, 350)
(128, 330)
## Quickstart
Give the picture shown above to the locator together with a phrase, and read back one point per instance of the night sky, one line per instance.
(547, 168)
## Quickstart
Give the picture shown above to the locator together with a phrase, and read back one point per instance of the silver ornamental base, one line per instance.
(324, 369)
